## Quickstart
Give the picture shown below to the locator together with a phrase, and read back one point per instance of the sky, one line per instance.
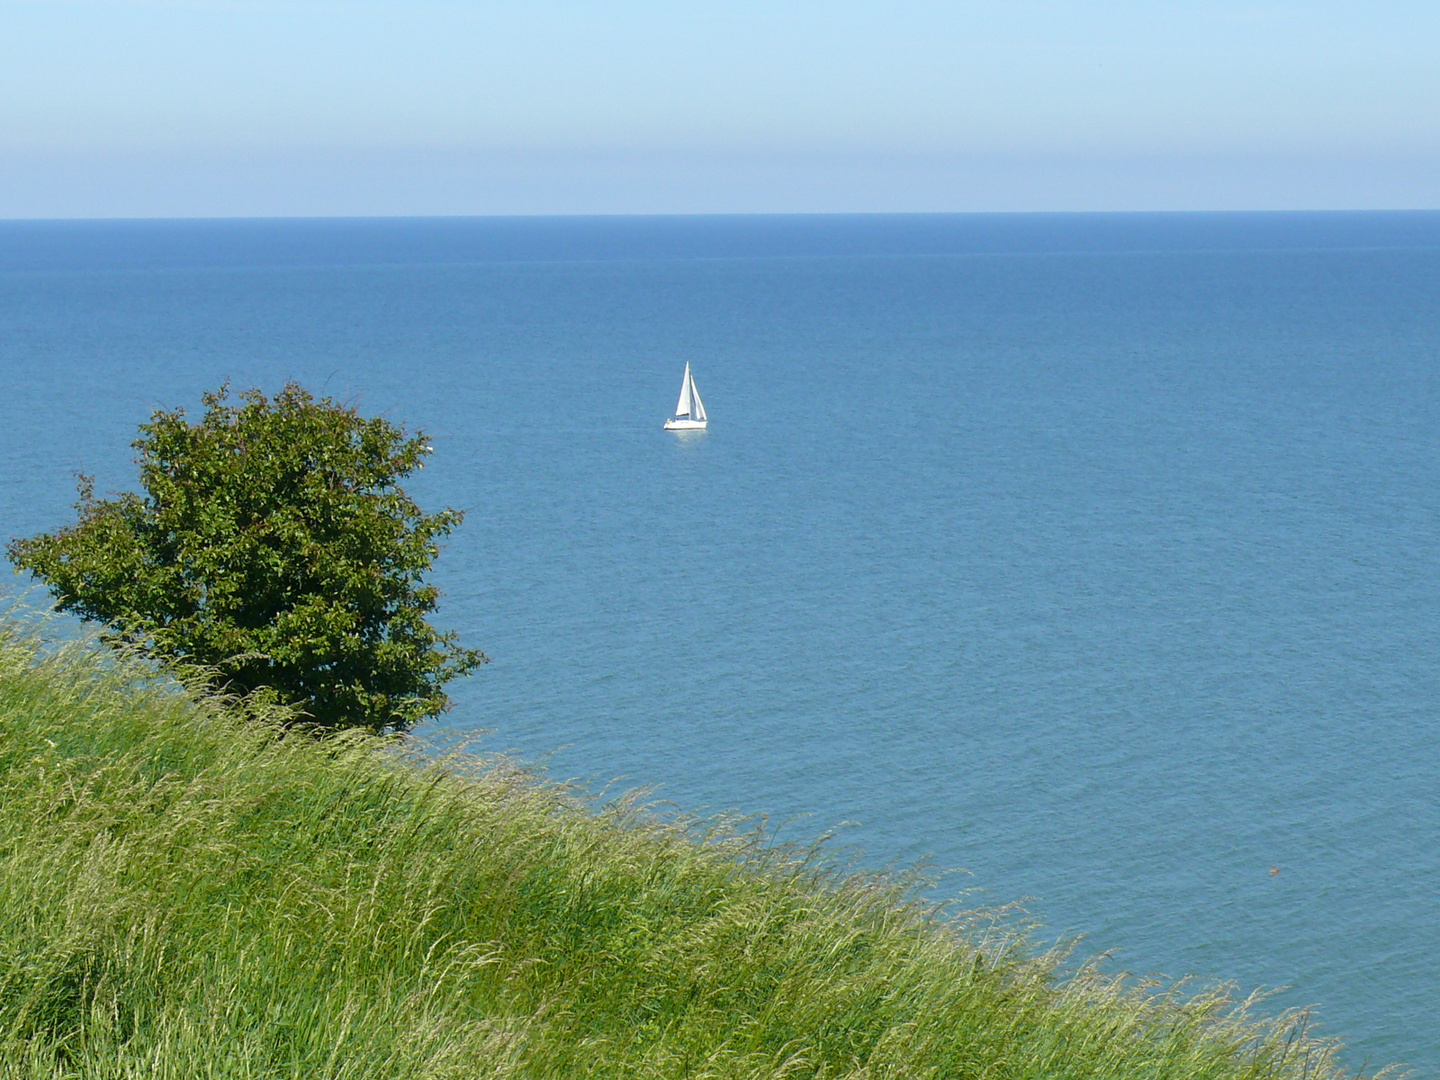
(177, 108)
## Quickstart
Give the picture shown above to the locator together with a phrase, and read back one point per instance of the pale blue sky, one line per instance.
(168, 107)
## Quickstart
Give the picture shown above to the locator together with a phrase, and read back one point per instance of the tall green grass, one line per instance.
(184, 893)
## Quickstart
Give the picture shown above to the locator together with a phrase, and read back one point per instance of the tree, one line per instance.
(275, 547)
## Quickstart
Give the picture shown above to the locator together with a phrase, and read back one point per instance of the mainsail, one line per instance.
(683, 408)
(698, 413)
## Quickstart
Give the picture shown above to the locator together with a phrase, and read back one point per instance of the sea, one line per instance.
(1092, 561)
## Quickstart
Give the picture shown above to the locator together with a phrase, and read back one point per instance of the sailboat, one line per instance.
(690, 411)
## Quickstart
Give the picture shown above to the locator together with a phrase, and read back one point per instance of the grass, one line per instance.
(187, 894)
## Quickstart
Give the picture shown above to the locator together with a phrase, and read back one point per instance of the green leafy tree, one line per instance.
(275, 547)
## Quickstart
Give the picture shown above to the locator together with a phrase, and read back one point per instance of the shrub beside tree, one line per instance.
(273, 546)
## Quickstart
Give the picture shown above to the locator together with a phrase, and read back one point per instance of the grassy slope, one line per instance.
(183, 895)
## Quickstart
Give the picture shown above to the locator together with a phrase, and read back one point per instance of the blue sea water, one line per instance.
(1097, 556)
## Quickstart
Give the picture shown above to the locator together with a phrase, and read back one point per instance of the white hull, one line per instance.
(685, 425)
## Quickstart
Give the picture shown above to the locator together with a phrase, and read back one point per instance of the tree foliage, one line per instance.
(274, 546)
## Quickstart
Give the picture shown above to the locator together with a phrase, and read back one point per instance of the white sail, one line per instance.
(683, 408)
(689, 410)
(698, 413)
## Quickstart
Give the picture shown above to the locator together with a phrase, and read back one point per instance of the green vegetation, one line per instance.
(186, 892)
(274, 547)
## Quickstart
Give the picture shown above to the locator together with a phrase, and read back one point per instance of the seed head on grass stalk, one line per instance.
(185, 893)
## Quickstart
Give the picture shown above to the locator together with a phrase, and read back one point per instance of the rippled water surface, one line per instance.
(1096, 556)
